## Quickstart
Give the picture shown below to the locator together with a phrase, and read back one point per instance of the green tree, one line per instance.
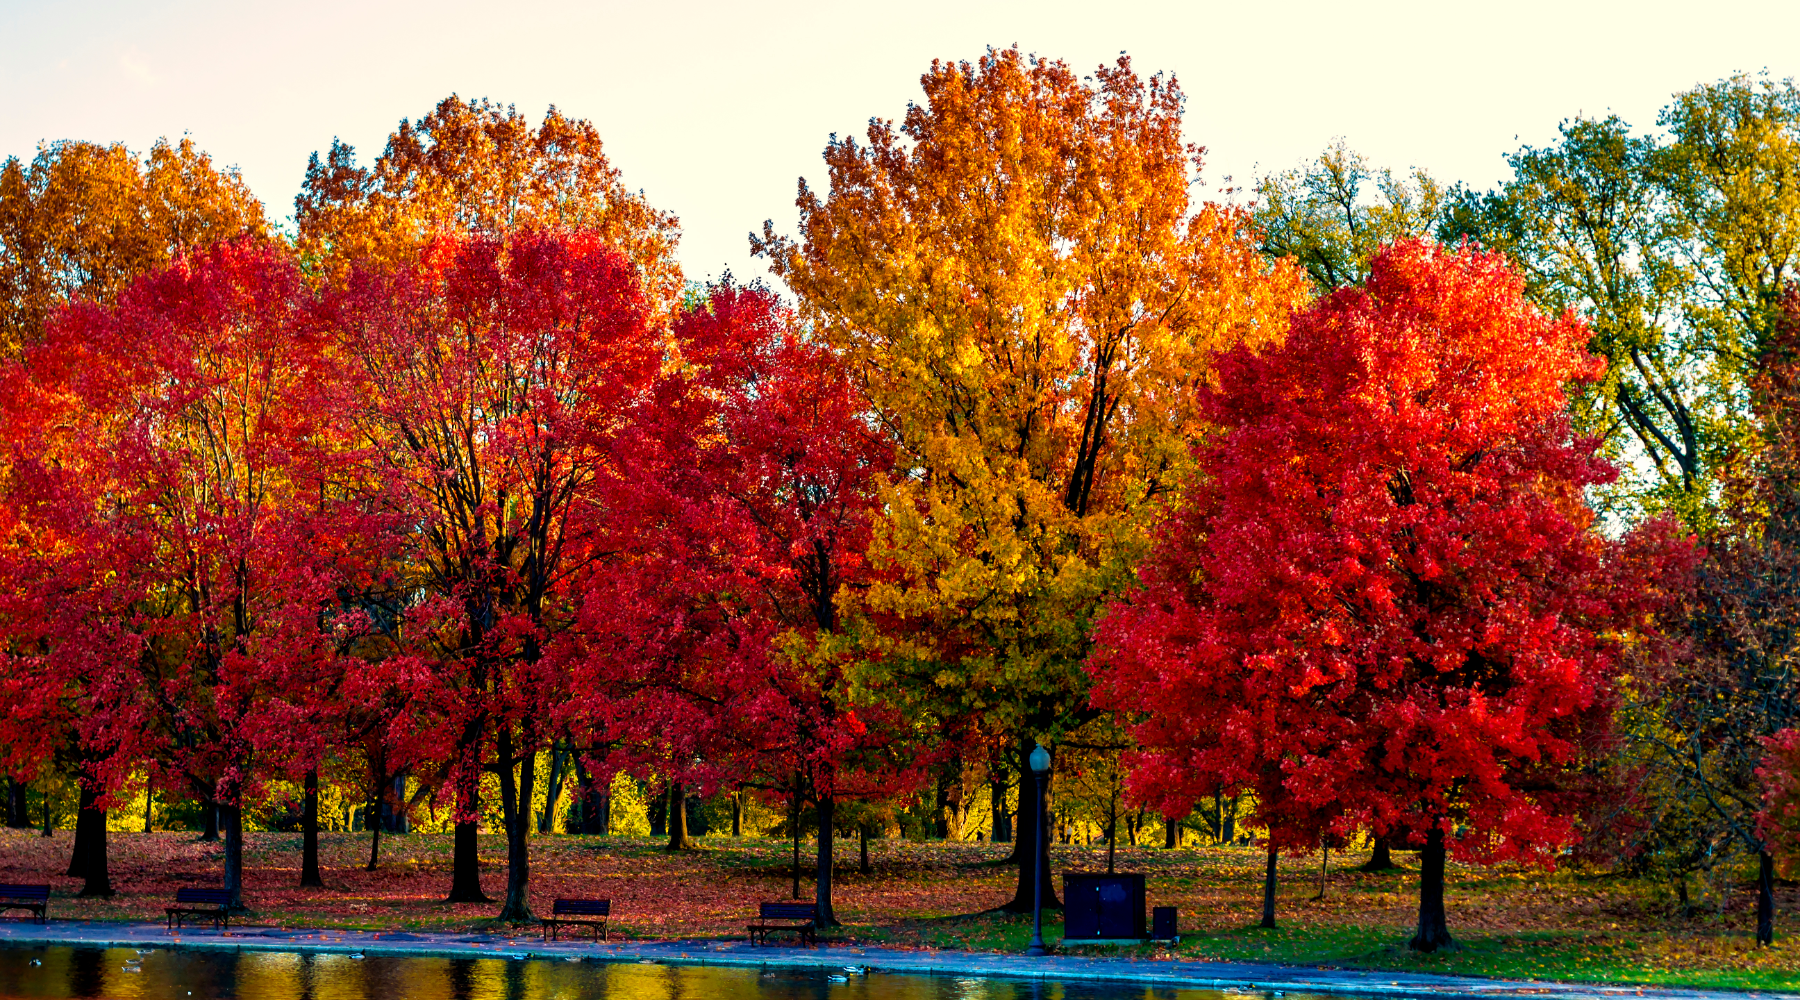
(1323, 216)
(1674, 250)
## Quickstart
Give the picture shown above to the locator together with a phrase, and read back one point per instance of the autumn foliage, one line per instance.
(1026, 296)
(464, 478)
(1384, 604)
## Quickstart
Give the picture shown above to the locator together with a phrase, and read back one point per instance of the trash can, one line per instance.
(1100, 908)
(1165, 924)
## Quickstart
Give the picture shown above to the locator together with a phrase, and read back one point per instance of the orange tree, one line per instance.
(1027, 299)
(1386, 591)
(473, 167)
(84, 219)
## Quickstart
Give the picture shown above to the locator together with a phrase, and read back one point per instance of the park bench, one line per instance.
(35, 898)
(592, 912)
(212, 904)
(801, 918)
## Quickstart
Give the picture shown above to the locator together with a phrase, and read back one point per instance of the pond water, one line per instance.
(214, 975)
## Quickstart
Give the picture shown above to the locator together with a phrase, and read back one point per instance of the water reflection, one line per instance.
(124, 974)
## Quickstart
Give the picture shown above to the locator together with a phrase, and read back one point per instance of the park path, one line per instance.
(1228, 976)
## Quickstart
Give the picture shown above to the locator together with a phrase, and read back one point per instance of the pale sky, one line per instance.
(715, 109)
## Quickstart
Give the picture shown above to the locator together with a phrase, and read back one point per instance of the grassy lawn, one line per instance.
(1511, 922)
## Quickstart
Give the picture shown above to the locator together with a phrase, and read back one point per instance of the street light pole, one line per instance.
(1040, 772)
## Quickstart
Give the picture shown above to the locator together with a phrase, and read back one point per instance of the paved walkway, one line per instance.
(1215, 975)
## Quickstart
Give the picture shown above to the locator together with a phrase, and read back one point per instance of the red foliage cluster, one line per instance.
(1385, 606)
(446, 513)
(435, 516)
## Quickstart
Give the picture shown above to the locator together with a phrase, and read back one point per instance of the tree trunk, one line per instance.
(826, 916)
(1171, 834)
(96, 876)
(862, 834)
(309, 833)
(149, 802)
(794, 822)
(16, 813)
(89, 861)
(1765, 899)
(1434, 931)
(515, 809)
(940, 813)
(605, 817)
(552, 789)
(372, 823)
(1324, 868)
(232, 821)
(465, 867)
(1380, 860)
(737, 813)
(587, 797)
(678, 827)
(209, 810)
(465, 856)
(1112, 828)
(1033, 838)
(83, 833)
(997, 806)
(47, 831)
(395, 814)
(1268, 919)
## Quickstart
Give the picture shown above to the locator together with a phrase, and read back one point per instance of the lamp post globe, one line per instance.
(1040, 772)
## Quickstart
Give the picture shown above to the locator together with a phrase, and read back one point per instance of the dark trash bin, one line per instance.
(1165, 924)
(1099, 907)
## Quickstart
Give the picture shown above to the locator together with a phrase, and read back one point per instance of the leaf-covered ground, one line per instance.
(1511, 922)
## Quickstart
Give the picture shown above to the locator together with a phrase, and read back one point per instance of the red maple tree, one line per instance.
(726, 657)
(206, 542)
(1385, 583)
(492, 383)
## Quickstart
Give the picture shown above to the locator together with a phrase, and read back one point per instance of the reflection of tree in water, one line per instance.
(306, 978)
(91, 973)
(515, 980)
(226, 967)
(87, 972)
(462, 979)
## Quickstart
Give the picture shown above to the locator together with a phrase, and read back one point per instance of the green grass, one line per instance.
(1719, 960)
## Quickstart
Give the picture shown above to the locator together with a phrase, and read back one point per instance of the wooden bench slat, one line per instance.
(11, 891)
(787, 911)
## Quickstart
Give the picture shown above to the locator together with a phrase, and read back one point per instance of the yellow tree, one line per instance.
(84, 219)
(474, 167)
(1028, 299)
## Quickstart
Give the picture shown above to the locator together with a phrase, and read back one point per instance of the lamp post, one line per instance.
(1040, 771)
